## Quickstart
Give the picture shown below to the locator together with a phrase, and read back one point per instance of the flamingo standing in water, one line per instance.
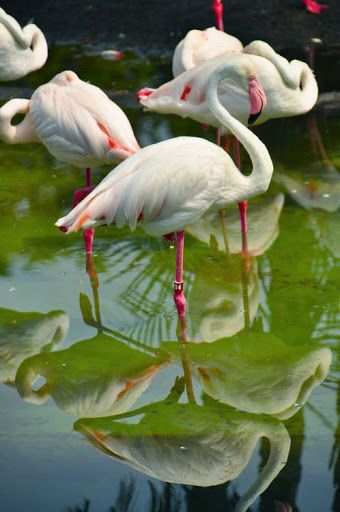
(22, 50)
(77, 123)
(290, 87)
(169, 185)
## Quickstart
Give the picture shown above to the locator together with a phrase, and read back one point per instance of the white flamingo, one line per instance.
(76, 121)
(200, 45)
(290, 88)
(173, 183)
(22, 50)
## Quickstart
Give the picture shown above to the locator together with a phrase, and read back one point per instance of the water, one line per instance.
(90, 350)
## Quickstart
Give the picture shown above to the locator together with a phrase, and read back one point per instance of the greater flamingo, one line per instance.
(173, 183)
(290, 87)
(77, 123)
(200, 45)
(22, 50)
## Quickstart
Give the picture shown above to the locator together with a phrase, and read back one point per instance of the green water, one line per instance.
(90, 350)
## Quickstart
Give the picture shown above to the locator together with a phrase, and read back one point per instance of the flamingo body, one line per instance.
(290, 87)
(21, 50)
(168, 185)
(201, 45)
(79, 124)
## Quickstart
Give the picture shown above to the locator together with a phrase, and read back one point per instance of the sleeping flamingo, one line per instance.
(77, 123)
(173, 183)
(22, 50)
(200, 45)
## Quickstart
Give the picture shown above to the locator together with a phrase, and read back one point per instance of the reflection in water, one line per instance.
(95, 377)
(263, 218)
(319, 187)
(257, 372)
(191, 444)
(25, 334)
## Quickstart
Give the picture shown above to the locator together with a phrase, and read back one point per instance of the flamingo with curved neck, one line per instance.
(169, 185)
(77, 123)
(22, 50)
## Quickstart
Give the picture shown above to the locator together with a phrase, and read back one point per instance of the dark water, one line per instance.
(90, 351)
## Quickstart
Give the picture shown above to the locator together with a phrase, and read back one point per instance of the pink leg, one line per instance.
(179, 297)
(243, 205)
(218, 136)
(78, 196)
(218, 10)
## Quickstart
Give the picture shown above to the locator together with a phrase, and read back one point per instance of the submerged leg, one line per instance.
(78, 196)
(242, 206)
(179, 297)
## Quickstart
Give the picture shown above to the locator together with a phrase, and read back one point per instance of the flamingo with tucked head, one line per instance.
(22, 50)
(78, 124)
(169, 185)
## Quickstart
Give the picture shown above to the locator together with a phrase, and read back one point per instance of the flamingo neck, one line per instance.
(13, 28)
(38, 45)
(279, 450)
(22, 132)
(259, 179)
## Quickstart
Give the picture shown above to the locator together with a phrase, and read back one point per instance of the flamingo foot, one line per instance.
(179, 298)
(218, 10)
(80, 194)
(313, 6)
(170, 238)
(144, 93)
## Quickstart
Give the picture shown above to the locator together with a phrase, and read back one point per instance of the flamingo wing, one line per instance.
(167, 185)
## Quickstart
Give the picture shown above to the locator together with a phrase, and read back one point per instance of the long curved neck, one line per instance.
(259, 179)
(14, 28)
(38, 45)
(289, 75)
(279, 450)
(22, 132)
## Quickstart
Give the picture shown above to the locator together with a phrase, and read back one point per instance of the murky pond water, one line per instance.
(89, 350)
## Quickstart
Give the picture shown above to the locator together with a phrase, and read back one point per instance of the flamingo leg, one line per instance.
(78, 196)
(242, 206)
(218, 10)
(317, 142)
(179, 297)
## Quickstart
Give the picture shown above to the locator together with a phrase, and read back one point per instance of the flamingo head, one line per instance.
(257, 98)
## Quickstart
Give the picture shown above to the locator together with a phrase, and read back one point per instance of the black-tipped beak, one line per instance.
(252, 118)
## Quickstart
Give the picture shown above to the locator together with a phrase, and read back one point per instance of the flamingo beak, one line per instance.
(257, 99)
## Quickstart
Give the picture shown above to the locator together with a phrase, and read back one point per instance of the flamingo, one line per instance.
(200, 45)
(171, 184)
(22, 50)
(291, 89)
(77, 123)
